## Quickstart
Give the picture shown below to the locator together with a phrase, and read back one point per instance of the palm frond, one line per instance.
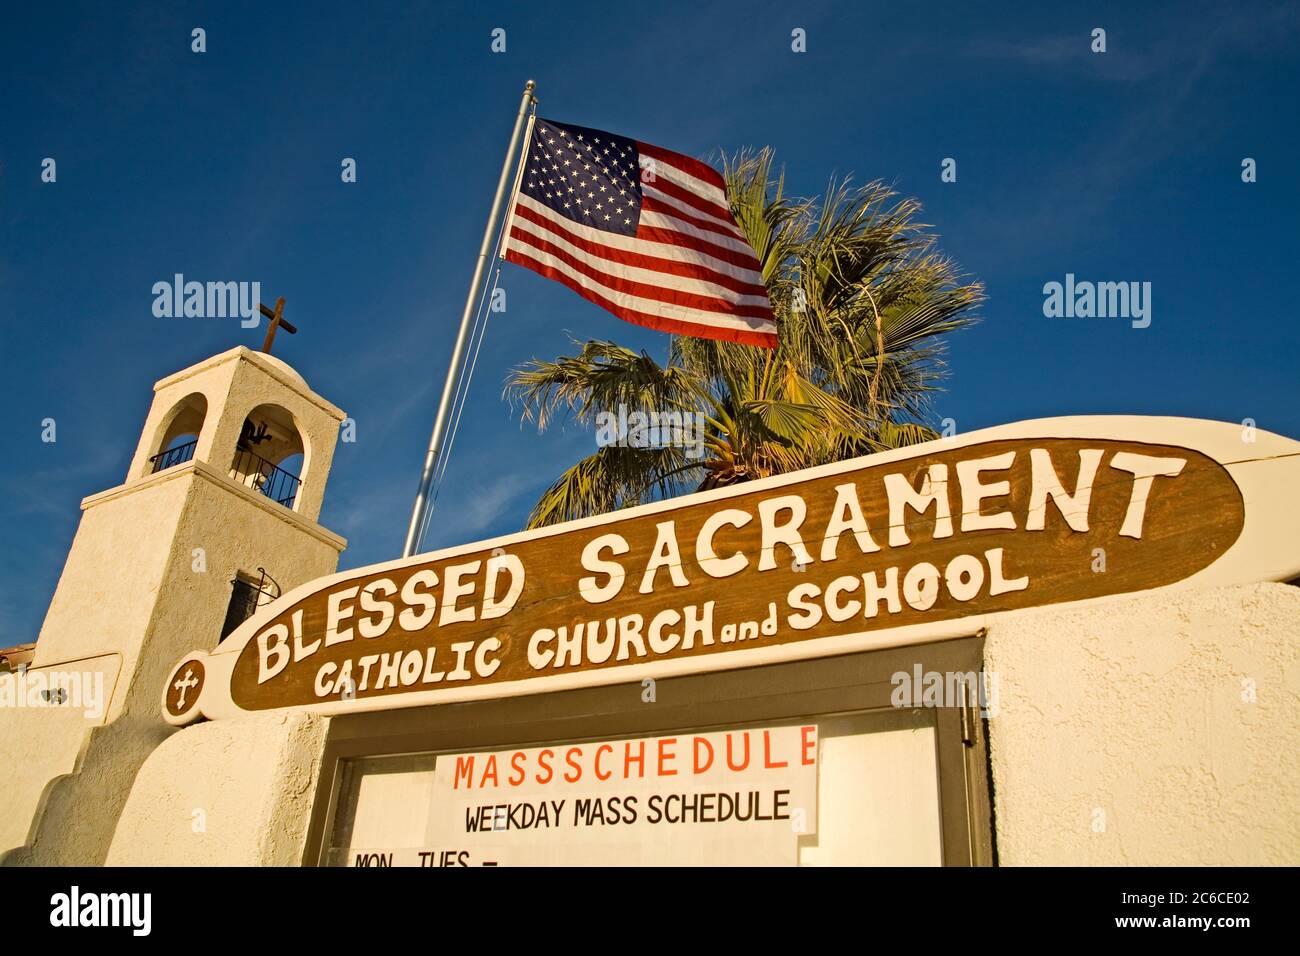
(614, 477)
(601, 377)
(865, 305)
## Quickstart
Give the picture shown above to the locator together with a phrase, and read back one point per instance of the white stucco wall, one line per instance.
(224, 793)
(36, 747)
(40, 743)
(1126, 735)
(114, 572)
(233, 384)
(133, 591)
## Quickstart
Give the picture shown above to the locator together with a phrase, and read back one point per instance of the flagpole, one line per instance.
(413, 533)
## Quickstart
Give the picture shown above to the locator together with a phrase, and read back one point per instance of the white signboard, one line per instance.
(728, 798)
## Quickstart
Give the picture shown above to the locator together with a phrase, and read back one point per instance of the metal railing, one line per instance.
(173, 456)
(260, 475)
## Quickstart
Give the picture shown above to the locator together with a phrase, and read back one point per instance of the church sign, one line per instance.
(919, 544)
(727, 798)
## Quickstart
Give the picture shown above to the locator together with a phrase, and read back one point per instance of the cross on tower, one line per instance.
(278, 321)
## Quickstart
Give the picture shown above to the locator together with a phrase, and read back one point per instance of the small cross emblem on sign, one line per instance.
(183, 685)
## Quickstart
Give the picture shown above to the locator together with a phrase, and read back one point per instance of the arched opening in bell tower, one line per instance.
(178, 433)
(270, 455)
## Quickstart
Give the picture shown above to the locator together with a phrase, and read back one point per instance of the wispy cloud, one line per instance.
(481, 497)
(477, 515)
(1161, 118)
(50, 489)
(1189, 44)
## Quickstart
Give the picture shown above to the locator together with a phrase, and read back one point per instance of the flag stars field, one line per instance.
(666, 253)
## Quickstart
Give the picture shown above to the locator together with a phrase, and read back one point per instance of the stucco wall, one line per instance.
(1126, 732)
(1140, 731)
(105, 597)
(36, 746)
(233, 384)
(224, 793)
(40, 743)
(147, 610)
(147, 580)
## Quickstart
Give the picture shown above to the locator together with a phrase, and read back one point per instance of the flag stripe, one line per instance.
(672, 191)
(527, 221)
(674, 223)
(620, 279)
(711, 328)
(540, 261)
(669, 237)
(634, 244)
(701, 171)
(679, 311)
(664, 172)
(651, 204)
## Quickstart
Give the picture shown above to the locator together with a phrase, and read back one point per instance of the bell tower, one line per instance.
(217, 514)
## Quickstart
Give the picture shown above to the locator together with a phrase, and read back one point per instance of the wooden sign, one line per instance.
(925, 543)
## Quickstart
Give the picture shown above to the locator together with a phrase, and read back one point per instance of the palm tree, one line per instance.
(862, 300)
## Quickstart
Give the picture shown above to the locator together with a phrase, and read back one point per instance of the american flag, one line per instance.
(643, 232)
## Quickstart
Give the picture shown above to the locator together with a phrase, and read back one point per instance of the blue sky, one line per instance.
(1122, 166)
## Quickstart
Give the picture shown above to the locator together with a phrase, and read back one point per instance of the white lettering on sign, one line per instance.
(472, 592)
(826, 561)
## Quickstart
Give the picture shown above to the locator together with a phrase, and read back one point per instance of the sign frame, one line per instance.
(1265, 468)
(799, 691)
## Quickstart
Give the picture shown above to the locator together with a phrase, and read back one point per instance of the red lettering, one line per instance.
(639, 760)
(490, 770)
(730, 763)
(515, 764)
(809, 745)
(767, 753)
(544, 761)
(665, 755)
(708, 747)
(599, 750)
(465, 771)
(568, 758)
